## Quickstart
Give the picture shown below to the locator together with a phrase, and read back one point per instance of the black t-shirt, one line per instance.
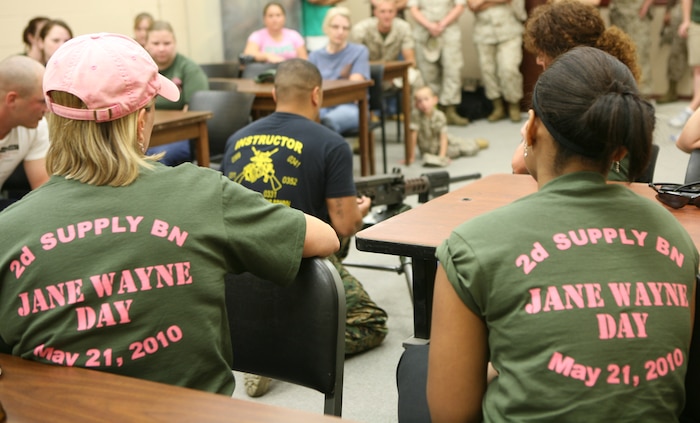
(291, 160)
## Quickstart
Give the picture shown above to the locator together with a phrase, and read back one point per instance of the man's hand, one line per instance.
(364, 203)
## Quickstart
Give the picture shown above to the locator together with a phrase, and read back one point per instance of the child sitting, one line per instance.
(429, 132)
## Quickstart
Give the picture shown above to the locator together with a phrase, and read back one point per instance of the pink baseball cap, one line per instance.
(111, 73)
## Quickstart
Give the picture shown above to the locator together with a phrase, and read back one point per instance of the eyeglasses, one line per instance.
(676, 195)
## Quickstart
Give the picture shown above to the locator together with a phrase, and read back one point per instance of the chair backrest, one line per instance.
(294, 333)
(221, 70)
(692, 377)
(253, 69)
(376, 91)
(222, 85)
(17, 184)
(231, 112)
(648, 175)
(692, 172)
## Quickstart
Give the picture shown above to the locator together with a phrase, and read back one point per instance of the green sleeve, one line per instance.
(265, 239)
(462, 269)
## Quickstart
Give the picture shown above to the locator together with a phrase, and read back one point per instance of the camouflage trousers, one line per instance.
(678, 57)
(365, 322)
(625, 15)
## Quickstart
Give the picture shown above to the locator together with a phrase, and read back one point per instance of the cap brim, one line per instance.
(168, 89)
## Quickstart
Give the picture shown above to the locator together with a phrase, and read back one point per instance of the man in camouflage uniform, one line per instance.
(312, 171)
(634, 17)
(677, 64)
(385, 36)
(498, 35)
(439, 51)
(388, 38)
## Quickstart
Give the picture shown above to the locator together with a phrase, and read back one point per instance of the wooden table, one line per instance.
(418, 232)
(176, 125)
(35, 392)
(334, 92)
(399, 69)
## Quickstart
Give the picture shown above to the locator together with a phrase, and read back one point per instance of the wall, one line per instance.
(197, 23)
(198, 26)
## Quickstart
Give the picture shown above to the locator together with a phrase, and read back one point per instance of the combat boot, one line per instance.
(498, 110)
(514, 112)
(671, 95)
(453, 118)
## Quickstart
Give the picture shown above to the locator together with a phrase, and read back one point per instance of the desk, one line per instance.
(334, 92)
(399, 69)
(418, 232)
(176, 125)
(31, 391)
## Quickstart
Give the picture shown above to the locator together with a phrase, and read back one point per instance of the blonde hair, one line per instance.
(332, 13)
(106, 153)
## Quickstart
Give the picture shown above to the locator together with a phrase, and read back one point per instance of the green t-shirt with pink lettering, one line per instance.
(130, 280)
(585, 289)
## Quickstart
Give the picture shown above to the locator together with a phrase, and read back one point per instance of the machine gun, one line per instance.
(391, 190)
(388, 193)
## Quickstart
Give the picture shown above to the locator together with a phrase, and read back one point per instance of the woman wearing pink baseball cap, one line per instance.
(117, 263)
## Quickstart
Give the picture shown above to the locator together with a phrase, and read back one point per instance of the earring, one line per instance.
(525, 151)
(142, 147)
(617, 166)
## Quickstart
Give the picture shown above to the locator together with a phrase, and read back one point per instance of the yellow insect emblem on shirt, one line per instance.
(260, 166)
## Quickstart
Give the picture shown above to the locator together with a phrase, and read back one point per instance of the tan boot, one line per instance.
(514, 112)
(453, 118)
(498, 110)
(671, 95)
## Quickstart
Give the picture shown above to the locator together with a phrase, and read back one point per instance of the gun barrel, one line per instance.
(416, 185)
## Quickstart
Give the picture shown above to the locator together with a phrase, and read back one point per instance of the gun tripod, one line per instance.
(404, 266)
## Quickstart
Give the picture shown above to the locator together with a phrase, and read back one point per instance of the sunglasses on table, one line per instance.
(677, 195)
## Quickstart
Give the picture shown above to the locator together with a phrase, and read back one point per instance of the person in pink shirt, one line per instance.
(275, 43)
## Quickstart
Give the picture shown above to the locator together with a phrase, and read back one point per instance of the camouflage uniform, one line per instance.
(365, 322)
(387, 47)
(678, 57)
(444, 75)
(625, 15)
(429, 131)
(383, 48)
(499, 42)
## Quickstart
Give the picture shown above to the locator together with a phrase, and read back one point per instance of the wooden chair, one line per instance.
(692, 172)
(231, 111)
(221, 70)
(294, 333)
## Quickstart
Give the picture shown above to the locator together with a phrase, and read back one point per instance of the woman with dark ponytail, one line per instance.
(581, 295)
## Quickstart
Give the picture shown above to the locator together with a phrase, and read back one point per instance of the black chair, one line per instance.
(691, 414)
(376, 104)
(17, 184)
(692, 172)
(253, 69)
(231, 111)
(222, 85)
(648, 175)
(4, 348)
(221, 70)
(294, 333)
